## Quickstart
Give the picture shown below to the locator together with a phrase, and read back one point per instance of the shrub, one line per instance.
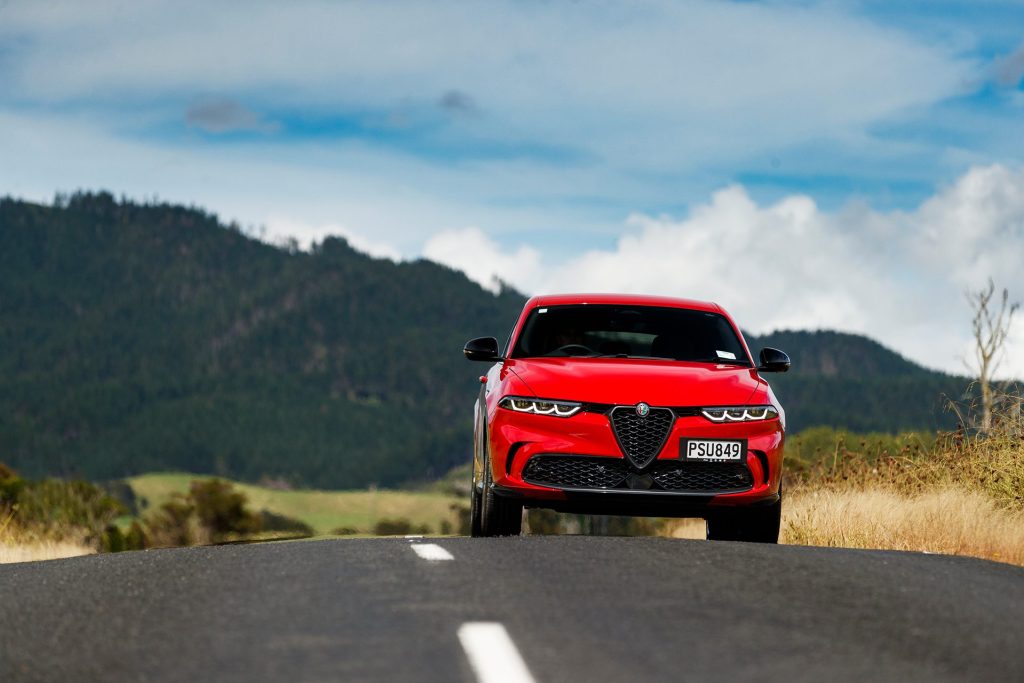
(989, 464)
(56, 504)
(6, 472)
(121, 490)
(54, 509)
(173, 524)
(211, 512)
(112, 540)
(221, 510)
(271, 521)
(10, 485)
(136, 538)
(399, 526)
(818, 449)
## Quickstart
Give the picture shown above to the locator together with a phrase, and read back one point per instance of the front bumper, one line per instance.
(629, 503)
(515, 438)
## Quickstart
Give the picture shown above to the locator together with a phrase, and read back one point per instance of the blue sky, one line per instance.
(530, 139)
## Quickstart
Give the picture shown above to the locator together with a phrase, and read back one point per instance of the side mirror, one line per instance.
(483, 348)
(773, 360)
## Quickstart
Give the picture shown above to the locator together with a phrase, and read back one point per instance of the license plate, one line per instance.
(712, 450)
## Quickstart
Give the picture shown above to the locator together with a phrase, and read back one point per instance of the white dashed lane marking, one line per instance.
(492, 654)
(431, 551)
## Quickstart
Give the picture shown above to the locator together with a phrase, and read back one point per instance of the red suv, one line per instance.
(628, 405)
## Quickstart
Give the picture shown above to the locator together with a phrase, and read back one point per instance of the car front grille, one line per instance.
(603, 473)
(641, 438)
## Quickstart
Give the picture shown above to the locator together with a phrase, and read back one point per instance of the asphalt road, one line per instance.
(575, 609)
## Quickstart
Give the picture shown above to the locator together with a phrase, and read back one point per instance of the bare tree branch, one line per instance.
(990, 327)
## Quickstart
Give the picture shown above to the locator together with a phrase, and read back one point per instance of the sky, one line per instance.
(854, 166)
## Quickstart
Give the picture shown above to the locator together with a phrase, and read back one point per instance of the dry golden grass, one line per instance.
(952, 521)
(959, 496)
(962, 494)
(12, 550)
(19, 544)
(686, 528)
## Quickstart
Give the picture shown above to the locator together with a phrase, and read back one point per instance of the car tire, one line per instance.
(752, 525)
(498, 516)
(475, 502)
(474, 513)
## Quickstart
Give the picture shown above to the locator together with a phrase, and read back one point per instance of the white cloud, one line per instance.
(646, 85)
(474, 253)
(896, 276)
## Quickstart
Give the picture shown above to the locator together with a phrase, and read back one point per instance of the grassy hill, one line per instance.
(138, 338)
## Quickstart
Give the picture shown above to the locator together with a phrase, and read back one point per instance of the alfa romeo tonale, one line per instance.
(628, 405)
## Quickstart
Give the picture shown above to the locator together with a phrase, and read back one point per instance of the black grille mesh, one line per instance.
(586, 472)
(641, 437)
(575, 472)
(703, 476)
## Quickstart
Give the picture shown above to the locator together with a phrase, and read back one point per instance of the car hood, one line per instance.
(630, 381)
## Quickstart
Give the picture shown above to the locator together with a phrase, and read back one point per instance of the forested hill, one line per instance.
(848, 380)
(137, 338)
(151, 337)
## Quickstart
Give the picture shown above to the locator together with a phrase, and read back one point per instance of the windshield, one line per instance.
(611, 331)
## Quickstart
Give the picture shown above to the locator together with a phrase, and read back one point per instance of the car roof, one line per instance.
(627, 299)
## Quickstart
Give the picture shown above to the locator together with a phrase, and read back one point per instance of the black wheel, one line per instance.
(753, 525)
(498, 516)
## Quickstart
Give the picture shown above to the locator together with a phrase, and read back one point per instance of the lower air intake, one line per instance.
(702, 476)
(589, 472)
(574, 472)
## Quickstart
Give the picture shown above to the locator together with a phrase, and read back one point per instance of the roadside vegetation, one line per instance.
(956, 493)
(52, 518)
(959, 493)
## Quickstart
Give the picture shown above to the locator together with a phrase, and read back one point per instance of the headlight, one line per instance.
(740, 413)
(540, 406)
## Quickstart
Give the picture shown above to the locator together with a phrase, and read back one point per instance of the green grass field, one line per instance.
(324, 511)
